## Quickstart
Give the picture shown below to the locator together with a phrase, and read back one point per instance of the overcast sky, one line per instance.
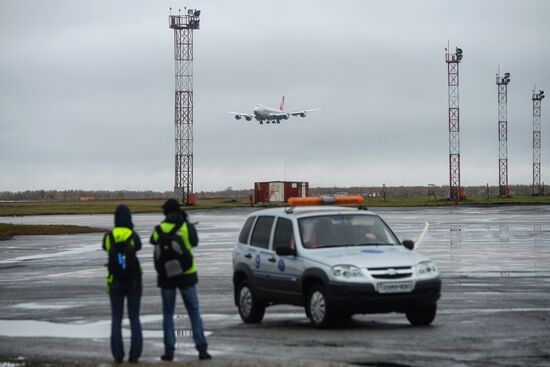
(87, 92)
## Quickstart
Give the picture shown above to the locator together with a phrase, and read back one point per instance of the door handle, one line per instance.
(272, 259)
(248, 256)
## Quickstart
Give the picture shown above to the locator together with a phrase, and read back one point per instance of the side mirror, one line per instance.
(285, 251)
(408, 244)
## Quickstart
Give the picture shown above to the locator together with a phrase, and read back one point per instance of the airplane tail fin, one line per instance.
(282, 106)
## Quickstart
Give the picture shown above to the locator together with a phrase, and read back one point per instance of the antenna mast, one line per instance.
(452, 60)
(502, 86)
(538, 189)
(183, 26)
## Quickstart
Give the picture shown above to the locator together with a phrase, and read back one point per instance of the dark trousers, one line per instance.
(191, 301)
(117, 293)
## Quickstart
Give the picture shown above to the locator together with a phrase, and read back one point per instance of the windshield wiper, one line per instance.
(351, 245)
(368, 244)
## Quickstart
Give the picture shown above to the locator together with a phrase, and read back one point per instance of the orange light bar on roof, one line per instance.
(326, 200)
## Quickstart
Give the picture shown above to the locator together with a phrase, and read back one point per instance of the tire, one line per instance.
(251, 311)
(421, 316)
(318, 307)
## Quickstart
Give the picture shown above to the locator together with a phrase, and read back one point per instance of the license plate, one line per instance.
(397, 287)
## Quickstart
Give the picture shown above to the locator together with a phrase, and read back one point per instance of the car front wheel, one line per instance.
(319, 309)
(420, 316)
(250, 309)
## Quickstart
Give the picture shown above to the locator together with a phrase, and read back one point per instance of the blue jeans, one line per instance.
(117, 293)
(189, 295)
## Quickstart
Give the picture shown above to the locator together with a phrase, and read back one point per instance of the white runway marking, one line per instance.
(421, 238)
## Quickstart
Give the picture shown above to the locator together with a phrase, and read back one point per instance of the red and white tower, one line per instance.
(452, 60)
(183, 26)
(502, 86)
(538, 189)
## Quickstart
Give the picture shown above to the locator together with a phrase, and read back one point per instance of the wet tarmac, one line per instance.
(494, 310)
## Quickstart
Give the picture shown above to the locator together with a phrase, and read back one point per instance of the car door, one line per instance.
(242, 254)
(259, 251)
(284, 271)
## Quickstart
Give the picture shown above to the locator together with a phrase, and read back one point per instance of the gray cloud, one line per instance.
(86, 91)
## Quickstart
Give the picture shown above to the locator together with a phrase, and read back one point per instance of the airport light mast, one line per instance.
(538, 189)
(183, 26)
(452, 60)
(502, 86)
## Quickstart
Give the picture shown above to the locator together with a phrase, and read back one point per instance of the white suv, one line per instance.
(335, 261)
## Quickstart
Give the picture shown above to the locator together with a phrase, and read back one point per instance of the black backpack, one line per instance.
(123, 264)
(172, 257)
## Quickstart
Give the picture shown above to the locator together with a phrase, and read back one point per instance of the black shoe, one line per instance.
(119, 360)
(133, 360)
(167, 357)
(203, 354)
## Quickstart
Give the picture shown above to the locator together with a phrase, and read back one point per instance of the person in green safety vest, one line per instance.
(174, 240)
(124, 281)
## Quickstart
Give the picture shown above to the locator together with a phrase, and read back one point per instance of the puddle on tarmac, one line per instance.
(87, 247)
(11, 364)
(41, 306)
(94, 330)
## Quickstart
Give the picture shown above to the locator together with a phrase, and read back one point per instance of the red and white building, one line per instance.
(279, 191)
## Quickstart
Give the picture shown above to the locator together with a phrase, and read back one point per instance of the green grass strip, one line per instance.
(8, 230)
(105, 207)
(154, 206)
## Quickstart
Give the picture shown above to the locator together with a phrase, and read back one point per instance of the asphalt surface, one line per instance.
(494, 310)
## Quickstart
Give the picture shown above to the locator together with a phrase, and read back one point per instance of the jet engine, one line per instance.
(303, 114)
(286, 116)
(237, 117)
(248, 118)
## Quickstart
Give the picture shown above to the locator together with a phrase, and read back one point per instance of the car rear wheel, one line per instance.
(318, 308)
(250, 309)
(423, 315)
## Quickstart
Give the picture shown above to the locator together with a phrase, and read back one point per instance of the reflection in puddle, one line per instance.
(487, 244)
(42, 306)
(32, 328)
(95, 330)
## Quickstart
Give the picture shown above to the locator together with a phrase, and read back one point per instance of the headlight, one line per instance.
(426, 268)
(346, 271)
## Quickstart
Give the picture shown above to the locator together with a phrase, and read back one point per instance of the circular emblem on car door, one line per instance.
(281, 265)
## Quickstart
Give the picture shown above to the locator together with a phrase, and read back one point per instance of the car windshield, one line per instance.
(345, 230)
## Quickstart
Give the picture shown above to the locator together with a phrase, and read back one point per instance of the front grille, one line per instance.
(391, 276)
(398, 272)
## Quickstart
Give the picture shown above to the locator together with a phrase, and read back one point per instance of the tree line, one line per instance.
(397, 192)
(81, 195)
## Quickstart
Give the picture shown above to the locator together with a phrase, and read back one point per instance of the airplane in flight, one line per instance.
(271, 115)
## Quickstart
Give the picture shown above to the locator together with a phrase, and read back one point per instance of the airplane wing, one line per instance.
(303, 113)
(240, 115)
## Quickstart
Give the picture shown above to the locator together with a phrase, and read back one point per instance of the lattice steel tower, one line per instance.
(183, 26)
(538, 189)
(452, 60)
(502, 86)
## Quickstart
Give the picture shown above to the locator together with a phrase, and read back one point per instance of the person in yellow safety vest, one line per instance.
(124, 281)
(174, 240)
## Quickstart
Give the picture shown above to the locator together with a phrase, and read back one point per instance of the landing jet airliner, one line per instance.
(271, 115)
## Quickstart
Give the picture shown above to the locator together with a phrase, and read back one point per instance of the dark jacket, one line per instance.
(185, 280)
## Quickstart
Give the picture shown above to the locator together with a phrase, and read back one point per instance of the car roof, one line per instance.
(306, 211)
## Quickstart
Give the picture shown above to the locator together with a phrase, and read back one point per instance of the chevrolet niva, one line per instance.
(334, 261)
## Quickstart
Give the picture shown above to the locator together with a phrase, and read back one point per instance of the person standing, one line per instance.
(124, 281)
(174, 239)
